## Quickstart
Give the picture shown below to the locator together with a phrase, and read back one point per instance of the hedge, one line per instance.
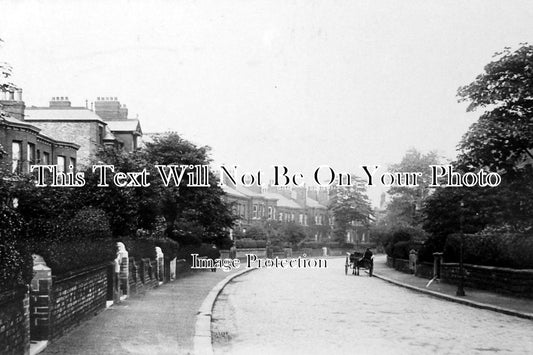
(63, 256)
(15, 260)
(248, 243)
(202, 250)
(492, 249)
(140, 248)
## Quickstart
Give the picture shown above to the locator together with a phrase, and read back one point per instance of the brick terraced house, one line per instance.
(25, 144)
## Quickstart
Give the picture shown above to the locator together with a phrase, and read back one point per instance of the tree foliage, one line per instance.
(503, 135)
(201, 206)
(350, 206)
(405, 207)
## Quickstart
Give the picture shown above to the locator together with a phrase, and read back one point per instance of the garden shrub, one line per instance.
(70, 244)
(139, 248)
(247, 243)
(407, 238)
(15, 260)
(492, 249)
(400, 250)
(207, 250)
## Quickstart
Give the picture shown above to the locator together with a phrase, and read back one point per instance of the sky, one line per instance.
(293, 83)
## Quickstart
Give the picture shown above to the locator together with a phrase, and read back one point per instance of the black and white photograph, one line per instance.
(217, 177)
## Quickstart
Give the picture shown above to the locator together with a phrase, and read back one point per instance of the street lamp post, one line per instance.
(460, 288)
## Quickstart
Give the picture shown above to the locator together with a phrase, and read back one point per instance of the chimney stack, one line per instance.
(108, 108)
(59, 102)
(14, 107)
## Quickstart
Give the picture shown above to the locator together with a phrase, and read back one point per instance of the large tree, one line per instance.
(203, 207)
(405, 206)
(350, 207)
(503, 135)
(500, 141)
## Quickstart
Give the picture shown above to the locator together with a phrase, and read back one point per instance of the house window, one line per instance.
(46, 158)
(254, 215)
(73, 163)
(31, 154)
(61, 163)
(270, 212)
(101, 134)
(16, 156)
(301, 218)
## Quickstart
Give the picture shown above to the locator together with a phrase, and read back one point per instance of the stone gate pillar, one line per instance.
(160, 264)
(40, 300)
(122, 265)
(413, 259)
(437, 261)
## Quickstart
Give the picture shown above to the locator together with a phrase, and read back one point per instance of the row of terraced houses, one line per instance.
(66, 135)
(255, 205)
(61, 134)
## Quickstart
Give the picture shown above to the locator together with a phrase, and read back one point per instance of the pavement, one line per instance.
(157, 321)
(166, 320)
(519, 307)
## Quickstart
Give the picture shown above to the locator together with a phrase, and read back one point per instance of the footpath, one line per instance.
(520, 307)
(158, 321)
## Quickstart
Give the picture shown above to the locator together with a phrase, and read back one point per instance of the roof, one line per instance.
(15, 121)
(232, 192)
(282, 200)
(247, 192)
(63, 114)
(314, 203)
(109, 136)
(129, 125)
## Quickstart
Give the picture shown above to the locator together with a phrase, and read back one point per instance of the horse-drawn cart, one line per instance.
(356, 261)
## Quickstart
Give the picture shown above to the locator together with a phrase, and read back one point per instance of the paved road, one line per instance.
(320, 311)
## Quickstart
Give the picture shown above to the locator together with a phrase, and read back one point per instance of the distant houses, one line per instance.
(257, 205)
(65, 135)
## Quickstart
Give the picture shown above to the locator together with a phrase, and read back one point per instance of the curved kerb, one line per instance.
(202, 329)
(463, 301)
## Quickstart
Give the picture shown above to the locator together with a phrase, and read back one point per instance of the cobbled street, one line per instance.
(320, 311)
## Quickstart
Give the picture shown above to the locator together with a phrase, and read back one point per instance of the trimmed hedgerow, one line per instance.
(248, 243)
(70, 244)
(492, 249)
(15, 260)
(202, 250)
(144, 247)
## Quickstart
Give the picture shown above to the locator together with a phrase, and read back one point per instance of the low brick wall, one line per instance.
(77, 296)
(399, 264)
(181, 267)
(513, 282)
(503, 280)
(424, 270)
(14, 322)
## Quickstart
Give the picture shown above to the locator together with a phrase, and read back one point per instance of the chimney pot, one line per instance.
(19, 95)
(11, 96)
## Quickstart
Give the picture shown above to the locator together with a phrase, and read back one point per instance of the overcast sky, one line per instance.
(298, 83)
